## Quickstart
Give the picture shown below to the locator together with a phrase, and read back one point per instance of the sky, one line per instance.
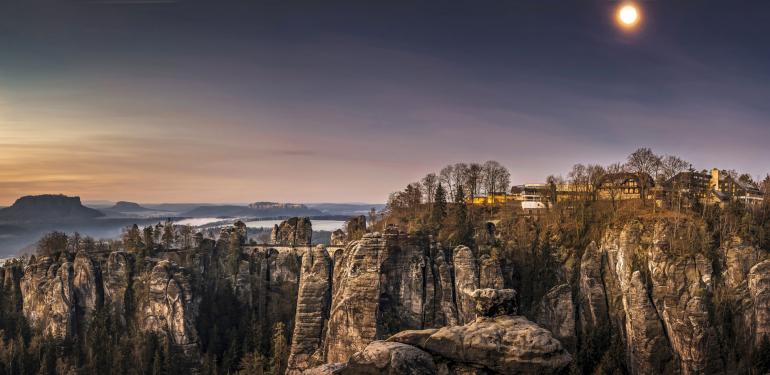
(327, 101)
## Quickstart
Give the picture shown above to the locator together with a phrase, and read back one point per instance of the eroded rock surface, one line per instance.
(117, 281)
(504, 344)
(49, 297)
(494, 302)
(593, 298)
(338, 238)
(87, 285)
(445, 292)
(296, 231)
(390, 358)
(313, 303)
(557, 313)
(681, 289)
(466, 278)
(759, 286)
(169, 306)
(490, 273)
(353, 318)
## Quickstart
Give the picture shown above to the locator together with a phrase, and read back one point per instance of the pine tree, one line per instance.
(762, 356)
(169, 236)
(132, 239)
(252, 364)
(280, 348)
(439, 208)
(463, 229)
(149, 241)
(158, 362)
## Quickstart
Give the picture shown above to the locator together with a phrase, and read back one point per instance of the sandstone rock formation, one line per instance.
(490, 273)
(169, 306)
(117, 280)
(494, 302)
(87, 285)
(657, 298)
(504, 345)
(296, 231)
(355, 227)
(466, 278)
(655, 305)
(283, 270)
(557, 314)
(313, 303)
(407, 284)
(390, 358)
(759, 286)
(739, 260)
(681, 289)
(326, 369)
(593, 298)
(338, 238)
(49, 297)
(445, 292)
(353, 318)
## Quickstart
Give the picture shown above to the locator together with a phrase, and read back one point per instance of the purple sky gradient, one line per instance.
(191, 101)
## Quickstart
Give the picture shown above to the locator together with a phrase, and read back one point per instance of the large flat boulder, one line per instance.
(391, 358)
(503, 344)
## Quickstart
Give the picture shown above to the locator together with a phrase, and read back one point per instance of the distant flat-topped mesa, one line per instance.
(47, 208)
(124, 206)
(268, 205)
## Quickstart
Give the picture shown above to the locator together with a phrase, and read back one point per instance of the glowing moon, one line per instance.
(628, 15)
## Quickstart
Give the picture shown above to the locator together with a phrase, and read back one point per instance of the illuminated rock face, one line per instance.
(296, 231)
(169, 307)
(49, 297)
(487, 345)
(386, 283)
(313, 303)
(117, 281)
(466, 278)
(656, 294)
(639, 286)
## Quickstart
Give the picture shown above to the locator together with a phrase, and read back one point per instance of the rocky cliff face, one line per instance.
(387, 283)
(396, 303)
(313, 303)
(49, 297)
(87, 285)
(296, 231)
(60, 296)
(338, 238)
(759, 288)
(466, 281)
(353, 318)
(169, 306)
(493, 343)
(117, 278)
(661, 300)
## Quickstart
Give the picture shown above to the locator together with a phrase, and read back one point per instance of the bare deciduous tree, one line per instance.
(612, 187)
(429, 183)
(496, 178)
(458, 177)
(643, 162)
(595, 173)
(670, 166)
(474, 179)
(445, 177)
